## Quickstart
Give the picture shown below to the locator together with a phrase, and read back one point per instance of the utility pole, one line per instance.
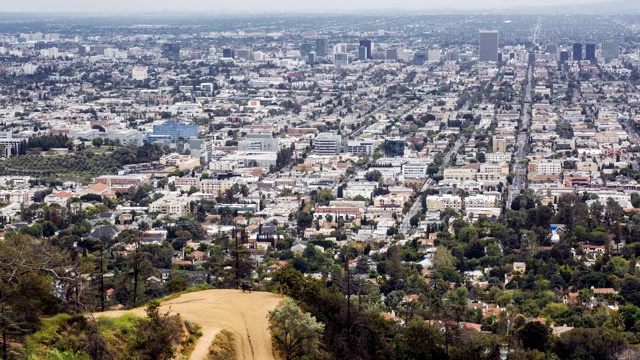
(239, 237)
(348, 291)
(102, 276)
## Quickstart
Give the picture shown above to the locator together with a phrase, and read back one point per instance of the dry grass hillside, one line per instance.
(242, 314)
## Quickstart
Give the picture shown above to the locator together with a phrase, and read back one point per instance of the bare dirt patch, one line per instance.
(242, 314)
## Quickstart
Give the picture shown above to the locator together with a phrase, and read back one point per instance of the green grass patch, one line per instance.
(222, 347)
(61, 336)
(190, 342)
(100, 150)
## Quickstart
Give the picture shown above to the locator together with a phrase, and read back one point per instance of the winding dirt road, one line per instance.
(243, 314)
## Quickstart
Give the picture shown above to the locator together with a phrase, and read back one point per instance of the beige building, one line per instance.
(481, 201)
(186, 183)
(519, 267)
(441, 202)
(170, 205)
(499, 144)
(461, 174)
(587, 166)
(213, 186)
(500, 168)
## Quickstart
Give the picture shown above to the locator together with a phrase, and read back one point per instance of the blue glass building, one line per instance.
(175, 130)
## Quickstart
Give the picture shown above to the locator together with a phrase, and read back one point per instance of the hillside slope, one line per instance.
(243, 314)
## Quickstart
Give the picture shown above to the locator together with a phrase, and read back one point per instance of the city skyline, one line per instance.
(121, 6)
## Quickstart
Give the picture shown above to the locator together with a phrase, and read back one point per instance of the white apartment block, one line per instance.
(415, 170)
(545, 167)
(497, 157)
(364, 189)
(621, 198)
(481, 201)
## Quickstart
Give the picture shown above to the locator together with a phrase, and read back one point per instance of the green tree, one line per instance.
(443, 258)
(582, 343)
(420, 340)
(157, 336)
(534, 335)
(304, 220)
(97, 142)
(296, 333)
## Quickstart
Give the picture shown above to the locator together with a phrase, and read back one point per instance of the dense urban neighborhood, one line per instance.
(420, 187)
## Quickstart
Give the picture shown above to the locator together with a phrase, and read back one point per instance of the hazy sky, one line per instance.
(260, 5)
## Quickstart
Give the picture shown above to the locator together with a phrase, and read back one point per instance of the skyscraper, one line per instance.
(420, 58)
(321, 47)
(363, 54)
(488, 45)
(610, 50)
(306, 49)
(367, 44)
(392, 54)
(577, 51)
(564, 55)
(341, 59)
(590, 52)
(171, 51)
(227, 53)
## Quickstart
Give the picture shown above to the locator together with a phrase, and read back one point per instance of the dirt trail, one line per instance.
(242, 314)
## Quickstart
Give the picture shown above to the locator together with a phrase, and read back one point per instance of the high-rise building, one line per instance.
(306, 49)
(564, 55)
(434, 55)
(419, 59)
(312, 58)
(246, 54)
(590, 52)
(321, 47)
(362, 53)
(367, 44)
(552, 49)
(100, 49)
(171, 51)
(392, 54)
(610, 50)
(259, 142)
(340, 48)
(341, 59)
(327, 144)
(394, 148)
(227, 53)
(577, 51)
(175, 130)
(488, 45)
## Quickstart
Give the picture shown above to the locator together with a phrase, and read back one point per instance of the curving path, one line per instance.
(243, 314)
